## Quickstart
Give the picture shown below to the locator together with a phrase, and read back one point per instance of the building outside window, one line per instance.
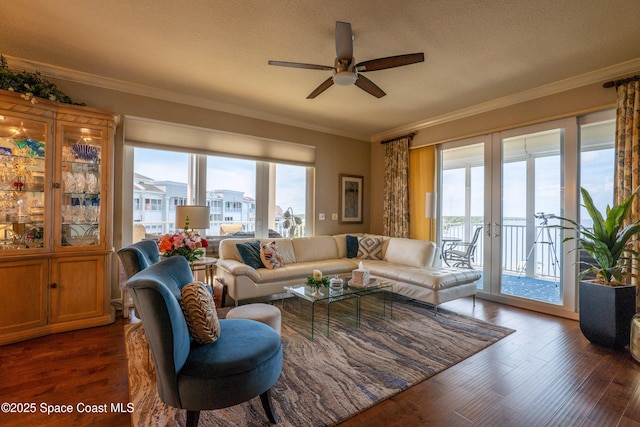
(162, 179)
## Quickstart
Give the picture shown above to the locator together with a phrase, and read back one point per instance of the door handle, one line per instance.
(488, 229)
(496, 229)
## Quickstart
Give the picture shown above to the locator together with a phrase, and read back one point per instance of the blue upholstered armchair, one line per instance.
(139, 256)
(244, 362)
(134, 258)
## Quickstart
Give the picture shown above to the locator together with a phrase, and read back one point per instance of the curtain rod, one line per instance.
(410, 136)
(617, 83)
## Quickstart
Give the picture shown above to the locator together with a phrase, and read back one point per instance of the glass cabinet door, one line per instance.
(23, 148)
(79, 212)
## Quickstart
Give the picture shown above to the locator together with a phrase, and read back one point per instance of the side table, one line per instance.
(208, 266)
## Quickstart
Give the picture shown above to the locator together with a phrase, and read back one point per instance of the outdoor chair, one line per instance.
(461, 254)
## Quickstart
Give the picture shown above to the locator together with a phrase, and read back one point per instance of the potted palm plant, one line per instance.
(607, 300)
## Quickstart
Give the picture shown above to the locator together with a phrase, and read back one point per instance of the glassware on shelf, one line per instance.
(91, 182)
(92, 214)
(83, 151)
(79, 182)
(68, 182)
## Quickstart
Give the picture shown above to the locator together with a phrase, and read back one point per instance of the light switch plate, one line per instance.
(334, 216)
(321, 216)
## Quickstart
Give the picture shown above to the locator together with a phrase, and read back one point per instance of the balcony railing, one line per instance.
(538, 259)
(158, 228)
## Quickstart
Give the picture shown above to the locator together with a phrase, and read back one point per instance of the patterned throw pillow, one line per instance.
(200, 312)
(369, 248)
(250, 253)
(270, 257)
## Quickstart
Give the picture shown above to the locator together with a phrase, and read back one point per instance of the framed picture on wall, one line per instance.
(351, 194)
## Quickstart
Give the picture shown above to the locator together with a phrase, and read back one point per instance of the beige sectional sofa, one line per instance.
(411, 266)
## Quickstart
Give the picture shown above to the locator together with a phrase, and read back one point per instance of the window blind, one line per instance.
(149, 133)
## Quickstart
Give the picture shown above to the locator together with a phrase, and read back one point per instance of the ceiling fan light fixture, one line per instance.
(345, 78)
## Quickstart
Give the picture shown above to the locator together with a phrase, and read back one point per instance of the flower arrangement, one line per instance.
(317, 281)
(185, 243)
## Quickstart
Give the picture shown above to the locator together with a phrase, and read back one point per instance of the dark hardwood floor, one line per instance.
(72, 368)
(545, 374)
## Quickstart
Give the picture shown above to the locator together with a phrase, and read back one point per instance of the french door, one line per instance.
(513, 184)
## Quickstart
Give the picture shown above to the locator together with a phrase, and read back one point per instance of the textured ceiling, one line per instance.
(215, 53)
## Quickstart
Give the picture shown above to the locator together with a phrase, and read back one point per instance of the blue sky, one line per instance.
(596, 176)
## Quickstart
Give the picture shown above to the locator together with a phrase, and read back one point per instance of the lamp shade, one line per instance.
(198, 217)
(430, 205)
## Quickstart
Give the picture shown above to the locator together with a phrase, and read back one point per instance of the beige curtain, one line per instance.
(627, 147)
(396, 187)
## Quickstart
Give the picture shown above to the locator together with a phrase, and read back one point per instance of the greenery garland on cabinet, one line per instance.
(31, 85)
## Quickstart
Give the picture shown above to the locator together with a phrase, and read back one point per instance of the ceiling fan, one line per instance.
(346, 72)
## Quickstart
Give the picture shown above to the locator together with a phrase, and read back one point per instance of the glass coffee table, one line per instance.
(305, 293)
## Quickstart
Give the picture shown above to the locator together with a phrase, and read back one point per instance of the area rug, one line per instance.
(332, 378)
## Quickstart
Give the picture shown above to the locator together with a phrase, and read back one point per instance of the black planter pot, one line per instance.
(606, 312)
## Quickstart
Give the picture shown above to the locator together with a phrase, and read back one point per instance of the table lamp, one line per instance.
(192, 217)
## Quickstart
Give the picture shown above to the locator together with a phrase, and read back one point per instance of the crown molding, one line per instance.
(166, 95)
(608, 73)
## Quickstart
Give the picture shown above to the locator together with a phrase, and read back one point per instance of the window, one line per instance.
(231, 192)
(290, 194)
(166, 179)
(160, 179)
(152, 205)
(597, 158)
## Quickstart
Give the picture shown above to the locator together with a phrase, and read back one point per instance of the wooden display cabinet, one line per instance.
(56, 206)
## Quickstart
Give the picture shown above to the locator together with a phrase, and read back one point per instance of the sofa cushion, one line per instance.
(200, 312)
(285, 250)
(250, 253)
(315, 248)
(341, 243)
(416, 253)
(269, 255)
(369, 248)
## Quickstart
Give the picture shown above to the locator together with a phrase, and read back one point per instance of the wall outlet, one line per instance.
(334, 216)
(321, 216)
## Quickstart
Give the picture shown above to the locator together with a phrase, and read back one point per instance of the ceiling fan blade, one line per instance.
(344, 41)
(300, 65)
(323, 86)
(390, 62)
(369, 87)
